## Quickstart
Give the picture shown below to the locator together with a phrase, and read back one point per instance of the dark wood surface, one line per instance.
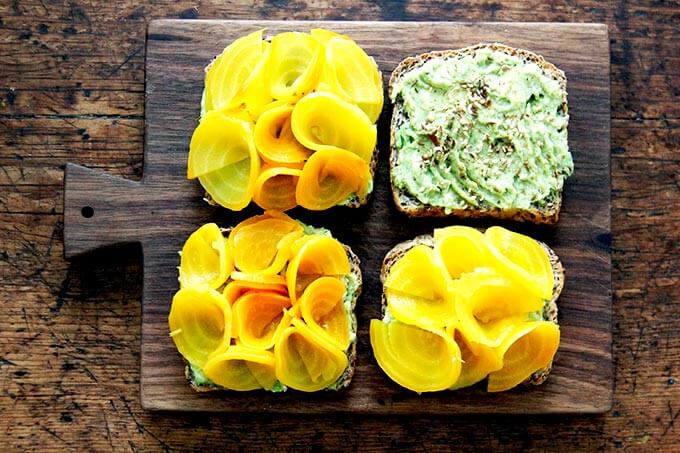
(160, 212)
(73, 89)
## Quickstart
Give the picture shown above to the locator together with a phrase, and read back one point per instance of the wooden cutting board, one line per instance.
(160, 212)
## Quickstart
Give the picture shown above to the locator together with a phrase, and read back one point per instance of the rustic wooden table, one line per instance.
(72, 89)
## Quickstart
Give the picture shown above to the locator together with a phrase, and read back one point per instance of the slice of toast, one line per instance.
(409, 204)
(549, 309)
(353, 201)
(200, 385)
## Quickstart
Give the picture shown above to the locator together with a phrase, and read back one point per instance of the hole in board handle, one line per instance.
(87, 212)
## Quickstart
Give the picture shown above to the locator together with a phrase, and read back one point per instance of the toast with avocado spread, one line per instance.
(479, 132)
(201, 383)
(549, 312)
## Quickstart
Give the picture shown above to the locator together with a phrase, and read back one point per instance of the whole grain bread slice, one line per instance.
(549, 309)
(346, 377)
(353, 201)
(413, 207)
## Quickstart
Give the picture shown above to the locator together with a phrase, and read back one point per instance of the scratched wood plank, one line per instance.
(160, 211)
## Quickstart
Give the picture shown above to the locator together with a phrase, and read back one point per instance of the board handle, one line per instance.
(100, 210)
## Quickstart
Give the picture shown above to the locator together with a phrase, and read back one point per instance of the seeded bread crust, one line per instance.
(411, 206)
(346, 377)
(549, 310)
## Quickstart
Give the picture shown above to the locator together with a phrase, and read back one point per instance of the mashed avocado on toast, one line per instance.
(288, 120)
(483, 129)
(267, 304)
(487, 313)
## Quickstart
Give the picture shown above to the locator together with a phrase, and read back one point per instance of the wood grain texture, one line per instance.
(161, 211)
(71, 88)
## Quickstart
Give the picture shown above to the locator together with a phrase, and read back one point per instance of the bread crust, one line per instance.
(549, 309)
(412, 207)
(346, 378)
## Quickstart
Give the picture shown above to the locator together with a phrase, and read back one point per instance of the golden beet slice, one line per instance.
(488, 295)
(257, 315)
(228, 180)
(257, 243)
(425, 313)
(414, 358)
(232, 186)
(350, 72)
(275, 188)
(285, 252)
(227, 76)
(478, 361)
(237, 288)
(521, 258)
(274, 138)
(323, 35)
(324, 121)
(416, 290)
(530, 347)
(306, 361)
(254, 97)
(324, 312)
(218, 142)
(417, 273)
(461, 249)
(268, 279)
(491, 334)
(294, 65)
(239, 113)
(317, 256)
(200, 323)
(329, 177)
(242, 368)
(205, 258)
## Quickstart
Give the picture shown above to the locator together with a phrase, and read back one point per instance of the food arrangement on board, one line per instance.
(268, 304)
(290, 120)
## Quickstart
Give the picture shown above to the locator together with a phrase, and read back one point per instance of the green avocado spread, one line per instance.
(484, 131)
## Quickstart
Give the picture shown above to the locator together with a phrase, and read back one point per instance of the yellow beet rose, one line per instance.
(414, 358)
